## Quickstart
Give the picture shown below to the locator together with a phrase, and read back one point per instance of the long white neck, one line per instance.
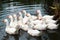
(30, 24)
(11, 19)
(7, 24)
(24, 15)
(21, 19)
(40, 14)
(15, 19)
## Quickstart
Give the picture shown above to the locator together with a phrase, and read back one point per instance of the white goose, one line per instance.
(48, 17)
(52, 26)
(34, 32)
(9, 29)
(50, 21)
(25, 27)
(41, 26)
(39, 16)
(30, 21)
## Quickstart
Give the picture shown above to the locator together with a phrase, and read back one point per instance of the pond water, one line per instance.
(7, 8)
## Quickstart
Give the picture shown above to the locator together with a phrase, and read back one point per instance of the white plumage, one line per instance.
(9, 29)
(28, 22)
(34, 32)
(52, 26)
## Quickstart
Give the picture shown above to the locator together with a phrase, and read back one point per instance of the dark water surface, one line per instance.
(7, 8)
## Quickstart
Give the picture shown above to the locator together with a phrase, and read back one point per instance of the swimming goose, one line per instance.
(36, 24)
(25, 26)
(48, 17)
(8, 29)
(34, 32)
(13, 23)
(50, 21)
(40, 26)
(52, 26)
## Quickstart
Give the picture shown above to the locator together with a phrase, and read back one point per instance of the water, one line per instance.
(8, 8)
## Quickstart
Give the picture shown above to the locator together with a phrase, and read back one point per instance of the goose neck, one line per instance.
(7, 23)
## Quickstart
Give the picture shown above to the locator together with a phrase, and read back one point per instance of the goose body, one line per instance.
(37, 22)
(51, 21)
(48, 17)
(24, 27)
(33, 17)
(40, 26)
(52, 26)
(34, 32)
(9, 29)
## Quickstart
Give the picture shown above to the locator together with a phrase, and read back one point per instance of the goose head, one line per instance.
(28, 15)
(10, 16)
(23, 11)
(15, 17)
(5, 21)
(20, 14)
(39, 12)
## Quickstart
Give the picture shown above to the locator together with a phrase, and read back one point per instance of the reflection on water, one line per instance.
(15, 7)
